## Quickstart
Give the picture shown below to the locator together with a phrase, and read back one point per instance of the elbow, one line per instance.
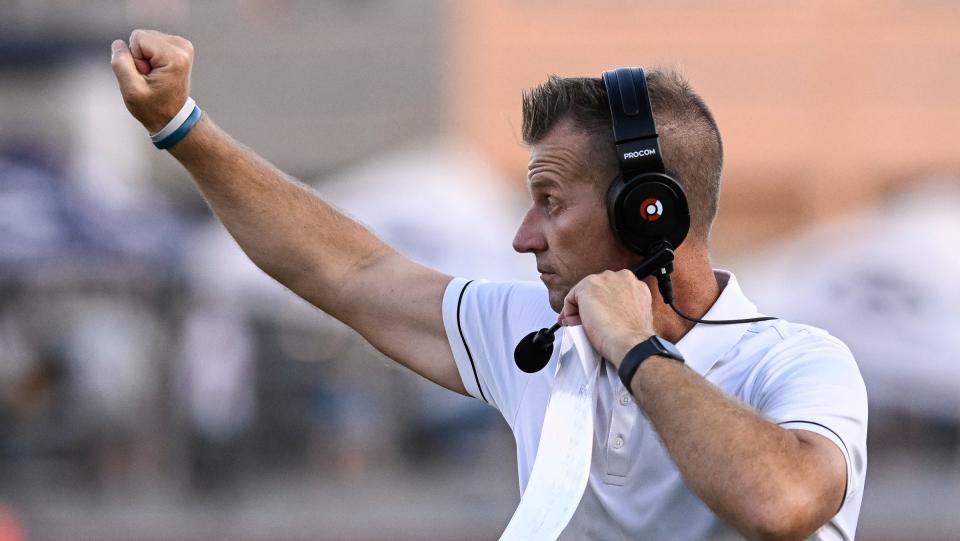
(794, 516)
(778, 530)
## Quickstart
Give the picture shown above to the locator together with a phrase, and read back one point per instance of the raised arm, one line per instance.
(285, 228)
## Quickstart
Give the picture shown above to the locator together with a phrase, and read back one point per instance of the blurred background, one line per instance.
(155, 385)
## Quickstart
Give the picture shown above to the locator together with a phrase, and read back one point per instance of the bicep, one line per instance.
(824, 469)
(812, 387)
(395, 304)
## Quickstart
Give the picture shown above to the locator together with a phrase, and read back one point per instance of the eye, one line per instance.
(551, 204)
(548, 202)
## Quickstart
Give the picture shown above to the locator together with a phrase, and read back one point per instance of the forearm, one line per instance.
(281, 224)
(751, 472)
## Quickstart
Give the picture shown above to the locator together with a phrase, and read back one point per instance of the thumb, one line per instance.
(121, 60)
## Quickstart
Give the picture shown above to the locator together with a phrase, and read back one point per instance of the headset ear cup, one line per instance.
(646, 209)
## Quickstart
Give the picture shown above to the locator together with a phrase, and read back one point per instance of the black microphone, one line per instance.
(534, 351)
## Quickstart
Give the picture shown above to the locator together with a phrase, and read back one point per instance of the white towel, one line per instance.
(562, 466)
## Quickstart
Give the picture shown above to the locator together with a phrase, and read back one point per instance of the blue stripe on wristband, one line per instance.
(180, 132)
(175, 122)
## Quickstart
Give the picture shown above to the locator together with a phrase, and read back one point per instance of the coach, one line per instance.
(755, 429)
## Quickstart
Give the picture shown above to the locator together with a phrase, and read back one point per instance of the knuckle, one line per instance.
(179, 43)
(181, 57)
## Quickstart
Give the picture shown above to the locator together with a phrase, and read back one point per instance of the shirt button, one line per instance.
(618, 442)
(625, 399)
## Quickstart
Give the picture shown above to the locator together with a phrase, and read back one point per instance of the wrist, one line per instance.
(154, 114)
(155, 122)
(178, 126)
(651, 348)
(198, 147)
(621, 345)
(648, 368)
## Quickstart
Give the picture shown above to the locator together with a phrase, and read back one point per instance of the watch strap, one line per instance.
(641, 352)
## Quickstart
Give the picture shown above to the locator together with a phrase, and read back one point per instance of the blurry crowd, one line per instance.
(122, 363)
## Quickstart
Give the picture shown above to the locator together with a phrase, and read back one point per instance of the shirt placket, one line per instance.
(623, 439)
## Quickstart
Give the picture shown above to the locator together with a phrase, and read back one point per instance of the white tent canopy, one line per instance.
(887, 282)
(442, 205)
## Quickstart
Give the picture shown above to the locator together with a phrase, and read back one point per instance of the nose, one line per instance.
(530, 237)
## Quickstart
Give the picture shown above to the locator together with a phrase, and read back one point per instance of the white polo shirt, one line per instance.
(797, 376)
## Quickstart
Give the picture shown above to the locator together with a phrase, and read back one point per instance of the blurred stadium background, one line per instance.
(154, 385)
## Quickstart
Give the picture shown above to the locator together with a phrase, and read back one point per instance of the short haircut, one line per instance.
(689, 138)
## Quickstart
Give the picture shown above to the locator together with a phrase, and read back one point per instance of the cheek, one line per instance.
(593, 243)
(598, 250)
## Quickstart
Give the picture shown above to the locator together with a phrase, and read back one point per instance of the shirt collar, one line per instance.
(705, 344)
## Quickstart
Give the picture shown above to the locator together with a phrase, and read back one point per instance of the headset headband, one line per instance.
(634, 128)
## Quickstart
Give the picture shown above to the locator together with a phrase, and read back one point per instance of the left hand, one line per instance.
(615, 310)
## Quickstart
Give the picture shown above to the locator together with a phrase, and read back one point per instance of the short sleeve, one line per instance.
(811, 382)
(484, 321)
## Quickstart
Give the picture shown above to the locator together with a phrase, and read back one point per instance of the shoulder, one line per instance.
(785, 342)
(489, 318)
(484, 321)
(802, 359)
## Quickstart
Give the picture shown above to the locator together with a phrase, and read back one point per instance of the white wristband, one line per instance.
(175, 122)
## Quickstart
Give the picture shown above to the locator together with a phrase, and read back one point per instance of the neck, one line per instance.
(695, 289)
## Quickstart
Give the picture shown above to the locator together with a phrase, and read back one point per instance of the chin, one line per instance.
(556, 298)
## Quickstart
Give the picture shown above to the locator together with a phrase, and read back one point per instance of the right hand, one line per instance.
(615, 309)
(154, 75)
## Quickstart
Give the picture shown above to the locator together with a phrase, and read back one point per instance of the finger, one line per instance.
(136, 45)
(571, 308)
(626, 276)
(150, 48)
(179, 42)
(142, 66)
(124, 68)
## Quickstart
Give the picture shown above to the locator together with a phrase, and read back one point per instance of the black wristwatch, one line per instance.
(643, 351)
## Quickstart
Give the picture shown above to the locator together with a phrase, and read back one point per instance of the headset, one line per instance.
(647, 208)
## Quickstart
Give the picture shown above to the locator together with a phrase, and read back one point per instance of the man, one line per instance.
(761, 433)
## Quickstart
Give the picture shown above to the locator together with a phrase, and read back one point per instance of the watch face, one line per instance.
(668, 349)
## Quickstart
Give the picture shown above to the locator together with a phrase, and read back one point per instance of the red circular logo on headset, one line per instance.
(651, 209)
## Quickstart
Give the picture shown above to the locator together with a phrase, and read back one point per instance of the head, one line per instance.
(566, 124)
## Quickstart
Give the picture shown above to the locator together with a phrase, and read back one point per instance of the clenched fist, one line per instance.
(615, 310)
(153, 74)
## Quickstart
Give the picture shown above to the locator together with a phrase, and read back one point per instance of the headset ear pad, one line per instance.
(647, 208)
